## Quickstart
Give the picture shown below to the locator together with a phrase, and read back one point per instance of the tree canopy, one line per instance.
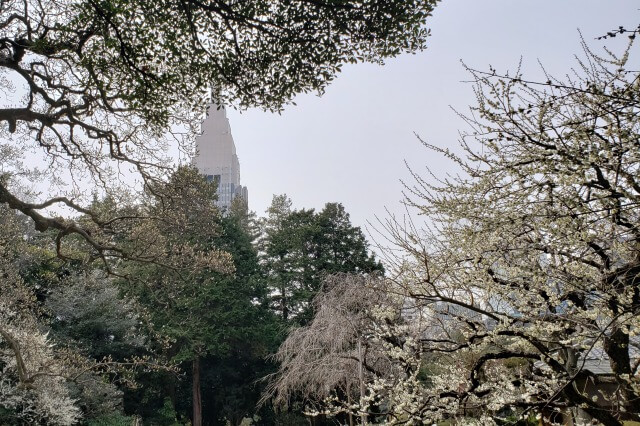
(301, 247)
(100, 84)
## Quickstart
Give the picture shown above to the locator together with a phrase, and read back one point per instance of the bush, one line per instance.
(116, 419)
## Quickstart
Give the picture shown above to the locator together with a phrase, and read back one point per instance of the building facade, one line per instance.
(216, 158)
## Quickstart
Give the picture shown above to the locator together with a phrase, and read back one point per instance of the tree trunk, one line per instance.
(349, 402)
(171, 381)
(197, 397)
(283, 303)
(617, 347)
(363, 416)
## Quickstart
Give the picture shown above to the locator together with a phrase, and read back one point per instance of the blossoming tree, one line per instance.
(529, 264)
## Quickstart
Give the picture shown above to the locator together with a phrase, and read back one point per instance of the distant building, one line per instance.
(216, 158)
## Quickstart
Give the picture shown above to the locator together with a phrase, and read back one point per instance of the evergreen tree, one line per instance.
(300, 247)
(204, 294)
(231, 386)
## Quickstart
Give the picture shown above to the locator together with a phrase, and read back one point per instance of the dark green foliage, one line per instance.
(185, 307)
(213, 312)
(187, 299)
(231, 385)
(259, 52)
(156, 398)
(230, 380)
(166, 415)
(340, 246)
(300, 247)
(88, 312)
(7, 416)
(111, 420)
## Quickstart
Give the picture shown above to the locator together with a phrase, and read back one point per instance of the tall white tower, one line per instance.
(216, 157)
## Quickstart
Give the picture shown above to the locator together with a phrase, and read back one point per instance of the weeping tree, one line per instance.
(360, 338)
(323, 358)
(529, 265)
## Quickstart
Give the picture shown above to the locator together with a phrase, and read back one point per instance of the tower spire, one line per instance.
(216, 157)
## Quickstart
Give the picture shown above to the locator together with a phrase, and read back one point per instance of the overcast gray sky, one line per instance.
(350, 145)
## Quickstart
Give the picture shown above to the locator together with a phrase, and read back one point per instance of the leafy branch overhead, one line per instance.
(102, 84)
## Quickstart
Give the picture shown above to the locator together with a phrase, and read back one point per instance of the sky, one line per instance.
(352, 144)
